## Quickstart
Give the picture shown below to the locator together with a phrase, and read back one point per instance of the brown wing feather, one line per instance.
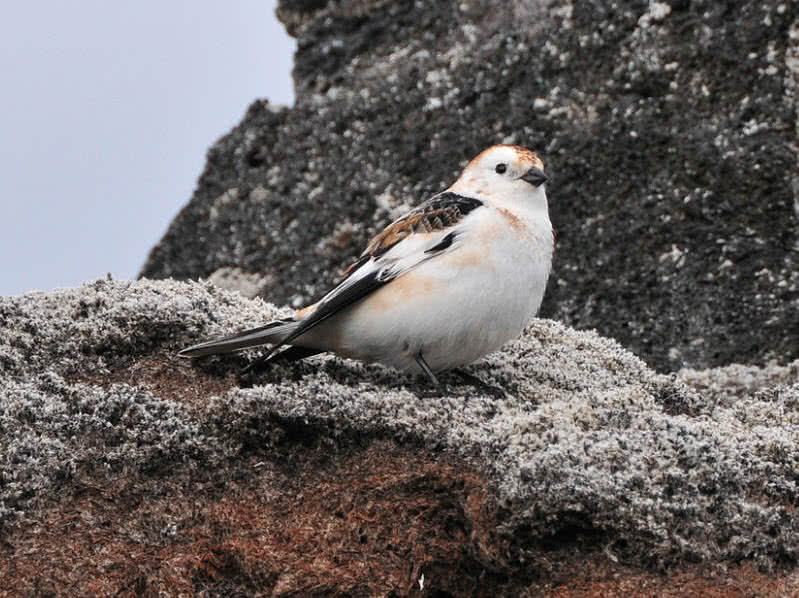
(437, 213)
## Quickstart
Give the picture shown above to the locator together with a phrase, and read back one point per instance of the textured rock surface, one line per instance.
(670, 129)
(122, 469)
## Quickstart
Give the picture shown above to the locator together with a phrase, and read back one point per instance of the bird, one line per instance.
(450, 281)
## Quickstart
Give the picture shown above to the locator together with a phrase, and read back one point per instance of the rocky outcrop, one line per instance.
(124, 469)
(669, 129)
(574, 468)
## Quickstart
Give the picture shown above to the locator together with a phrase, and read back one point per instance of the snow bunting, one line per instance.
(449, 282)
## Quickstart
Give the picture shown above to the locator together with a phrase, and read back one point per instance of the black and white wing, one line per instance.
(428, 231)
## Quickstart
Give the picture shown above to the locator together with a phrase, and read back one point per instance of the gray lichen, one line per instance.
(663, 468)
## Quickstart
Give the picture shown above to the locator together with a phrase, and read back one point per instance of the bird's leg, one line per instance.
(426, 368)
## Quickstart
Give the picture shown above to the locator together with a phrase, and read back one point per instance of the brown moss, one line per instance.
(369, 522)
(308, 518)
(373, 522)
(171, 379)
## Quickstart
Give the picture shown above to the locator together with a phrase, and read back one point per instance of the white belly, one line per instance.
(453, 309)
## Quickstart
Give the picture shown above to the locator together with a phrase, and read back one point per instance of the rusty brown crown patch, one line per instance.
(526, 156)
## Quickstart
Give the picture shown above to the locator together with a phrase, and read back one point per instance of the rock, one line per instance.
(123, 468)
(670, 132)
(669, 129)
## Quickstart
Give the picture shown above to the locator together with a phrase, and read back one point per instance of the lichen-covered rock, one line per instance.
(669, 129)
(573, 444)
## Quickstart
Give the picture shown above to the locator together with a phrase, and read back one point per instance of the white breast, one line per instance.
(457, 307)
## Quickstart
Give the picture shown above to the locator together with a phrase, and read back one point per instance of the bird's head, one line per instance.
(506, 172)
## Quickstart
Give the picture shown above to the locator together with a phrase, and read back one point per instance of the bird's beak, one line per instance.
(535, 176)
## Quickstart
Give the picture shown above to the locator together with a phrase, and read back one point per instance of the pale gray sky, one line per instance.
(106, 112)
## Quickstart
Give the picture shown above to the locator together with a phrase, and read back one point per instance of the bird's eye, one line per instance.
(501, 168)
